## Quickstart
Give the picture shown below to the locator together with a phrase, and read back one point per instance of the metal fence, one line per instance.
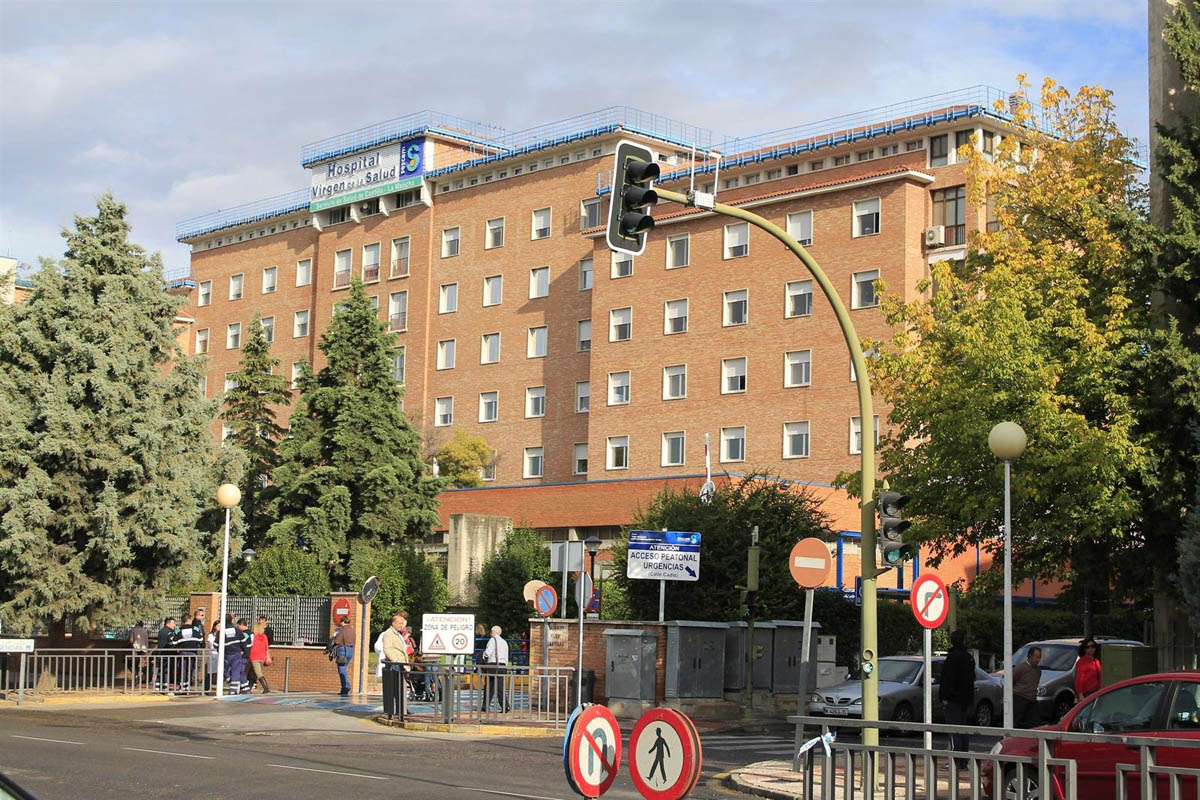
(481, 694)
(55, 670)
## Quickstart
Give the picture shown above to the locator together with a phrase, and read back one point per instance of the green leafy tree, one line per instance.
(350, 467)
(104, 436)
(784, 513)
(250, 410)
(408, 581)
(463, 458)
(283, 571)
(522, 557)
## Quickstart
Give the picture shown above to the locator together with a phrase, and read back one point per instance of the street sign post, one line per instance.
(365, 596)
(448, 634)
(665, 756)
(930, 605)
(594, 752)
(663, 556)
(809, 563)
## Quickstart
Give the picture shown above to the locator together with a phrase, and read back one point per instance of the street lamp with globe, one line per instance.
(228, 496)
(1007, 443)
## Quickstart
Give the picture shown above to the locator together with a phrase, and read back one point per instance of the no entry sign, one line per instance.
(930, 603)
(809, 562)
(594, 753)
(664, 755)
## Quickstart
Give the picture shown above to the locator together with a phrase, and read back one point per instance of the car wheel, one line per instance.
(1062, 704)
(984, 714)
(903, 713)
(1012, 786)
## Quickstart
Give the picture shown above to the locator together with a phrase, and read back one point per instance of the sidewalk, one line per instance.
(775, 779)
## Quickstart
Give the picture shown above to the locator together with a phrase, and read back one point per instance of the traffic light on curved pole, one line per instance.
(892, 547)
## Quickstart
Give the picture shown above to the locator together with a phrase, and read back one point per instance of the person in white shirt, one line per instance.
(495, 660)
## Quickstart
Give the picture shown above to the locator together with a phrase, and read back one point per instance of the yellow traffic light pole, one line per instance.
(869, 652)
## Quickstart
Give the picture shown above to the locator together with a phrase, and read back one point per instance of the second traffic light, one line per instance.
(892, 546)
(629, 217)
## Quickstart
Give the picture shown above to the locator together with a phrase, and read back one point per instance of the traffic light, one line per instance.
(629, 217)
(891, 528)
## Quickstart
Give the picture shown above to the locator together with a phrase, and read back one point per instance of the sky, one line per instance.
(182, 108)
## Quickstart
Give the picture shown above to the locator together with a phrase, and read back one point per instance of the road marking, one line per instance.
(167, 753)
(508, 794)
(40, 739)
(330, 772)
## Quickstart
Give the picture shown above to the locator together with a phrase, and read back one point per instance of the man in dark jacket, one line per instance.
(164, 672)
(957, 688)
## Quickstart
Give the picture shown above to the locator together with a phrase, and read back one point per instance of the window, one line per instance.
(869, 355)
(489, 406)
(304, 272)
(733, 444)
(800, 226)
(672, 449)
(233, 336)
(399, 258)
(341, 269)
(409, 198)
(270, 279)
(398, 366)
(495, 233)
(863, 290)
(230, 382)
(962, 138)
(774, 174)
(450, 242)
(583, 397)
(799, 299)
(675, 316)
(443, 411)
(589, 213)
(889, 150)
(677, 251)
(202, 341)
(752, 179)
(733, 373)
(914, 144)
(818, 164)
(204, 298)
(300, 323)
(445, 354)
(268, 328)
(950, 209)
(202, 385)
(579, 459)
(370, 207)
(989, 145)
(583, 335)
(866, 217)
(674, 382)
(618, 388)
(540, 226)
(938, 150)
(489, 348)
(737, 240)
(370, 263)
(398, 311)
(533, 462)
(448, 298)
(493, 290)
(856, 434)
(617, 452)
(1185, 709)
(730, 183)
(1125, 710)
(585, 274)
(795, 440)
(488, 471)
(535, 401)
(735, 305)
(622, 265)
(235, 286)
(864, 155)
(620, 324)
(539, 282)
(536, 347)
(797, 368)
(297, 371)
(841, 161)
(226, 432)
(339, 215)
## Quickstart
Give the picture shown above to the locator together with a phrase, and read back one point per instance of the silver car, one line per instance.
(901, 687)
(1056, 689)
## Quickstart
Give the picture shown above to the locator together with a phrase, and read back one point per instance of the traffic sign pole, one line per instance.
(928, 687)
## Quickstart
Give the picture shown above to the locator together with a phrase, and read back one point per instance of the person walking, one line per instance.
(395, 662)
(1087, 669)
(495, 661)
(267, 630)
(260, 656)
(1027, 676)
(341, 651)
(957, 689)
(139, 642)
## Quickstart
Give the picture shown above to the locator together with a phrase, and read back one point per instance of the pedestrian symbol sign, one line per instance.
(435, 644)
(594, 752)
(664, 755)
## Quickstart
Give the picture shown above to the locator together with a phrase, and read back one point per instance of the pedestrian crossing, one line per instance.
(766, 746)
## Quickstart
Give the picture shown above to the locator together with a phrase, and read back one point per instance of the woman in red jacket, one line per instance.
(259, 656)
(1087, 669)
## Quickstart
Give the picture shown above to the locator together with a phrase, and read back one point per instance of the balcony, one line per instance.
(956, 235)
(399, 268)
(398, 322)
(371, 273)
(341, 279)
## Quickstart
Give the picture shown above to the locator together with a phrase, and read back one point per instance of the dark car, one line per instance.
(1166, 704)
(1056, 690)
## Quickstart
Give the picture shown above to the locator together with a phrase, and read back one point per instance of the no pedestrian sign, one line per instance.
(448, 634)
(663, 556)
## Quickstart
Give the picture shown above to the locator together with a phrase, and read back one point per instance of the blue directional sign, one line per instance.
(663, 555)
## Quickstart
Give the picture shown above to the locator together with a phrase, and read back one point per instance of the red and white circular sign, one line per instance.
(341, 608)
(594, 753)
(664, 755)
(929, 600)
(809, 562)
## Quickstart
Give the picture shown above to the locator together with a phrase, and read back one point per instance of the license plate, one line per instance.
(835, 711)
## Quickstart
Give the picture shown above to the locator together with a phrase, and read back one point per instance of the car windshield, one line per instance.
(899, 671)
(1057, 657)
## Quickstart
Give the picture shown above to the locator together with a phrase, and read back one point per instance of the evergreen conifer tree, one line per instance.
(350, 467)
(250, 411)
(104, 436)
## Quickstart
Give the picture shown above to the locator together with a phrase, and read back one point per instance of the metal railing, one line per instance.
(482, 694)
(243, 214)
(52, 671)
(845, 769)
(399, 268)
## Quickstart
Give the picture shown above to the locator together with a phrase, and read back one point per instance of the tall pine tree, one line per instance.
(250, 411)
(104, 439)
(350, 467)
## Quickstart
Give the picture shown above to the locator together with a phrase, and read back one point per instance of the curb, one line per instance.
(107, 699)
(470, 729)
(735, 781)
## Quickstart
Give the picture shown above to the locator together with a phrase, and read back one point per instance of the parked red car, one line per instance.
(1166, 704)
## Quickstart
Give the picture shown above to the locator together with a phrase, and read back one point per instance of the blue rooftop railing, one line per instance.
(481, 133)
(243, 214)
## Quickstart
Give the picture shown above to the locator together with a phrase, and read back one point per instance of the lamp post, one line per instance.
(248, 555)
(228, 496)
(593, 545)
(1007, 442)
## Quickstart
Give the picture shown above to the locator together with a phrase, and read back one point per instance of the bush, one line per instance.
(408, 581)
(522, 557)
(279, 571)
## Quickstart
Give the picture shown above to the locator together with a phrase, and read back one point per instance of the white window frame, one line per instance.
(377, 264)
(793, 289)
(488, 282)
(728, 437)
(535, 333)
(796, 225)
(672, 250)
(575, 458)
(612, 446)
(858, 280)
(666, 437)
(856, 433)
(268, 328)
(587, 275)
(583, 397)
(300, 323)
(862, 210)
(532, 395)
(399, 365)
(807, 434)
(398, 319)
(583, 344)
(668, 307)
(726, 374)
(615, 382)
(446, 353)
(485, 357)
(448, 298)
(615, 272)
(240, 278)
(451, 241)
(672, 371)
(727, 301)
(730, 248)
(789, 362)
(204, 294)
(233, 333)
(297, 371)
(537, 232)
(203, 342)
(613, 324)
(585, 206)
(443, 411)
(304, 272)
(486, 400)
(400, 264)
(539, 282)
(272, 286)
(533, 463)
(493, 228)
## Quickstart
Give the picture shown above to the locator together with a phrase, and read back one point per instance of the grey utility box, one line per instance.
(735, 655)
(629, 664)
(695, 665)
(789, 643)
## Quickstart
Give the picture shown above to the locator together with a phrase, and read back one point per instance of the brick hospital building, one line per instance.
(593, 376)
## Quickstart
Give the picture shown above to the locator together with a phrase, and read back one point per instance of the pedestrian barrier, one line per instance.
(483, 694)
(58, 670)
